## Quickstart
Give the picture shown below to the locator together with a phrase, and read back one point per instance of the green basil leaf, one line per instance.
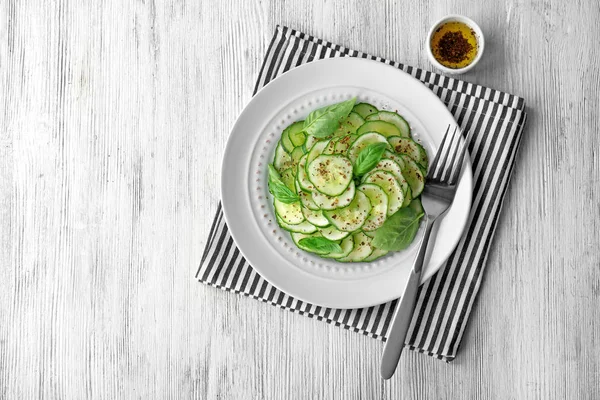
(273, 174)
(324, 121)
(320, 245)
(398, 232)
(368, 158)
(278, 189)
(283, 193)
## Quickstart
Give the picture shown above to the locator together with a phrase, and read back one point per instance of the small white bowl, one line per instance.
(478, 33)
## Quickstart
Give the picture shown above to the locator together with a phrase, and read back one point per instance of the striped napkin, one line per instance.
(445, 300)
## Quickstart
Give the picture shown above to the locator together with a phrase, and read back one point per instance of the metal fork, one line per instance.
(437, 197)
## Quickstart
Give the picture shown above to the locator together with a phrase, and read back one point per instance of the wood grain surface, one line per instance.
(113, 120)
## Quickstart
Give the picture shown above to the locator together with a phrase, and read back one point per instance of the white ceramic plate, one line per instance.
(248, 206)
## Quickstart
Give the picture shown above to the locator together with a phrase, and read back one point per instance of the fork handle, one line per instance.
(404, 311)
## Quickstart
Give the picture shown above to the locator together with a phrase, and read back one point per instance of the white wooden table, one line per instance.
(113, 120)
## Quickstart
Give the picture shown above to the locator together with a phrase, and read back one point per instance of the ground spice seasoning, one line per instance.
(454, 47)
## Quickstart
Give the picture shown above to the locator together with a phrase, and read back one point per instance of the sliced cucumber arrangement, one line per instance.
(365, 109)
(303, 227)
(362, 248)
(385, 128)
(325, 202)
(414, 176)
(347, 246)
(411, 148)
(296, 155)
(390, 186)
(306, 198)
(330, 174)
(295, 133)
(282, 159)
(316, 151)
(332, 233)
(289, 213)
(302, 178)
(286, 142)
(351, 217)
(395, 157)
(315, 217)
(350, 125)
(379, 206)
(334, 188)
(343, 144)
(362, 142)
(392, 118)
(391, 166)
(377, 253)
(288, 177)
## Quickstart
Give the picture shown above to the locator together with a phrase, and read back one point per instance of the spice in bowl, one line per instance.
(454, 44)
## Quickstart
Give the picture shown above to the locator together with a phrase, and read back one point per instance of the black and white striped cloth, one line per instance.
(444, 301)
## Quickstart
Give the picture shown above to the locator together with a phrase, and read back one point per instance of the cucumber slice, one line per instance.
(288, 178)
(363, 141)
(286, 142)
(392, 188)
(295, 133)
(301, 177)
(303, 227)
(306, 199)
(365, 109)
(330, 174)
(395, 157)
(347, 246)
(310, 142)
(424, 161)
(393, 118)
(297, 237)
(414, 176)
(379, 206)
(370, 234)
(385, 128)
(411, 148)
(417, 206)
(362, 249)
(289, 213)
(298, 139)
(332, 233)
(330, 148)
(282, 160)
(392, 167)
(352, 217)
(296, 155)
(315, 217)
(377, 253)
(343, 144)
(349, 125)
(316, 151)
(325, 202)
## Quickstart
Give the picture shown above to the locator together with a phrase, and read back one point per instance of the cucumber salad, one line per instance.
(346, 182)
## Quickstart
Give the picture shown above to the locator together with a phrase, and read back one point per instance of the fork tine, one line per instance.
(458, 166)
(435, 163)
